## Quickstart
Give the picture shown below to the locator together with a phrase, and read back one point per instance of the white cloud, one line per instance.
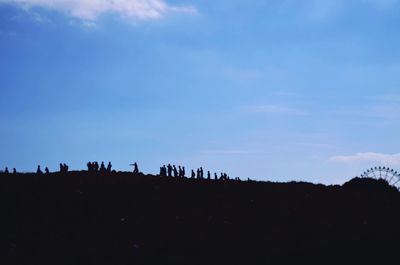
(385, 159)
(89, 10)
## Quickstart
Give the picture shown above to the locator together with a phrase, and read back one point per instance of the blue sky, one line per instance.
(271, 90)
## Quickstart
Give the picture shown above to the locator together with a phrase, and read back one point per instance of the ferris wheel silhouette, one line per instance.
(388, 174)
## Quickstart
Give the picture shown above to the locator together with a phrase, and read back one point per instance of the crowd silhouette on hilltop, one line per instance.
(94, 167)
(180, 172)
(170, 171)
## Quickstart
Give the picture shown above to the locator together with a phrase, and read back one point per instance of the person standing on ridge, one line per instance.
(109, 166)
(163, 171)
(89, 166)
(96, 166)
(102, 167)
(169, 168)
(179, 171)
(135, 168)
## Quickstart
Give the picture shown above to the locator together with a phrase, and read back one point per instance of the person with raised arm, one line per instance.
(135, 168)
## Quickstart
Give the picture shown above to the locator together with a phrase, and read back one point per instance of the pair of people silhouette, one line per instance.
(200, 173)
(40, 172)
(63, 168)
(6, 171)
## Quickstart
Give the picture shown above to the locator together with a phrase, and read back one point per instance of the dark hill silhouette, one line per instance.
(124, 218)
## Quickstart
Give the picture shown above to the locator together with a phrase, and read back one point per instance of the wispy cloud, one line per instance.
(8, 33)
(242, 74)
(326, 10)
(386, 111)
(386, 159)
(323, 9)
(224, 152)
(275, 110)
(382, 3)
(90, 10)
(389, 98)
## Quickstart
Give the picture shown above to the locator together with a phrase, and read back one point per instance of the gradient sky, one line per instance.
(271, 90)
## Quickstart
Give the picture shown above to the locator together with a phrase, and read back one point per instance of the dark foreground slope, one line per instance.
(83, 218)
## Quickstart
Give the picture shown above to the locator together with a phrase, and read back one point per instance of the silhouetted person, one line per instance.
(46, 170)
(14, 170)
(61, 168)
(96, 166)
(208, 175)
(109, 166)
(6, 170)
(222, 176)
(179, 171)
(39, 171)
(169, 168)
(198, 173)
(201, 173)
(89, 166)
(183, 172)
(226, 176)
(193, 174)
(175, 172)
(163, 171)
(135, 168)
(102, 167)
(65, 168)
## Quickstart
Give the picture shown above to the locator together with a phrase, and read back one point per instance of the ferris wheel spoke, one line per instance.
(393, 175)
(387, 171)
(398, 180)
